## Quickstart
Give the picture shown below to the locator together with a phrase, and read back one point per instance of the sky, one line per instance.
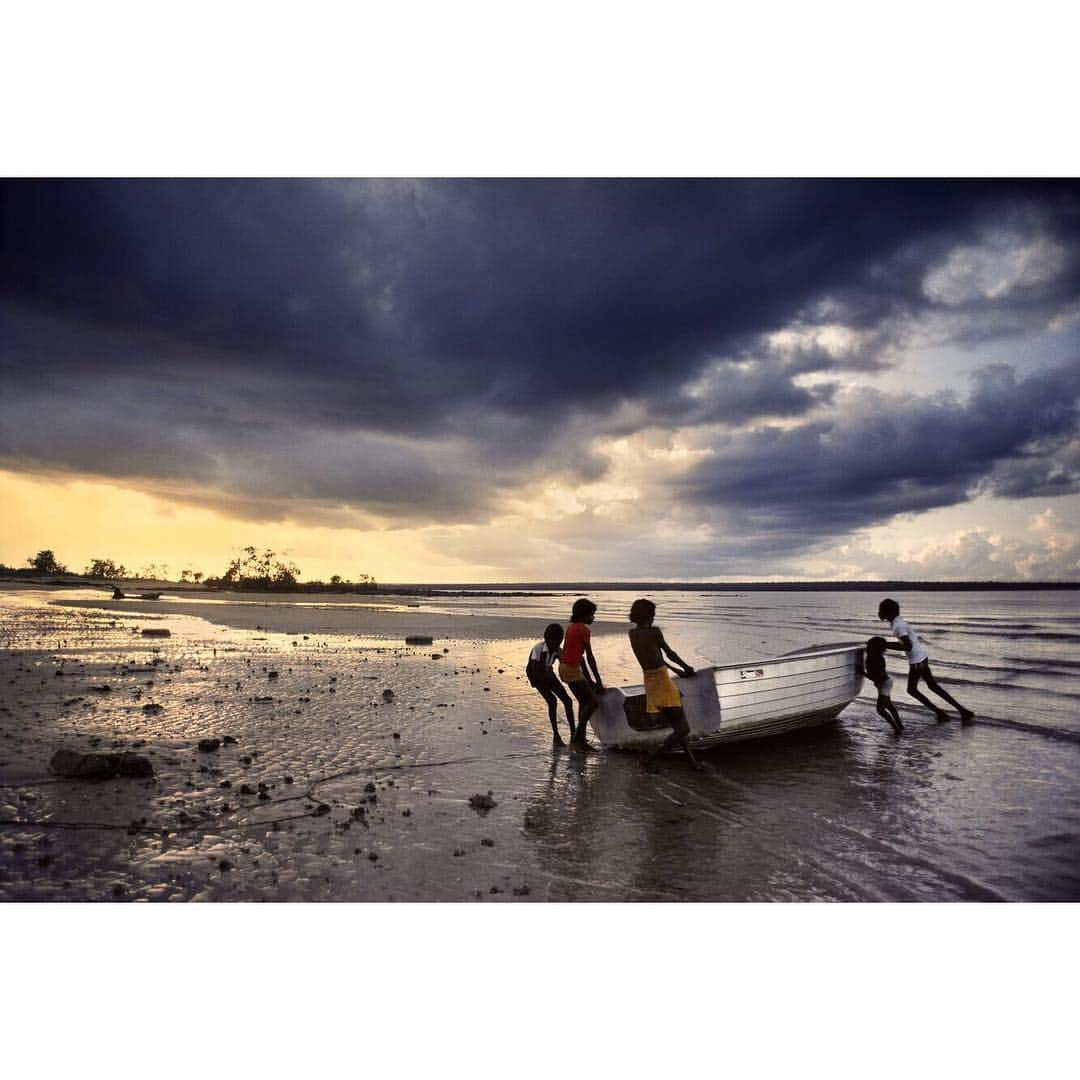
(551, 380)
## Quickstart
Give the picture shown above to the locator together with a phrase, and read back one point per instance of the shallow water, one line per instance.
(848, 812)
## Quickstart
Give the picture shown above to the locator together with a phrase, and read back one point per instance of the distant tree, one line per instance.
(44, 562)
(335, 579)
(252, 569)
(197, 576)
(104, 568)
(285, 573)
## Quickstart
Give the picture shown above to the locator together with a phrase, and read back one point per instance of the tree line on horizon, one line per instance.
(249, 570)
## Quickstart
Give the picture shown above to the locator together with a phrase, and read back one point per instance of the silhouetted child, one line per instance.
(540, 671)
(874, 666)
(919, 660)
(661, 695)
(576, 649)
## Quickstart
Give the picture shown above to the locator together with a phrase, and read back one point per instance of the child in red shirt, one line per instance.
(576, 649)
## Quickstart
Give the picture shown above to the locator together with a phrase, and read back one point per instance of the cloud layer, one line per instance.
(434, 353)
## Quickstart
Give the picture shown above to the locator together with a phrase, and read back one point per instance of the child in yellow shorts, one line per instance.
(661, 695)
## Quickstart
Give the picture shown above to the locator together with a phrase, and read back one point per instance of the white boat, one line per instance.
(732, 702)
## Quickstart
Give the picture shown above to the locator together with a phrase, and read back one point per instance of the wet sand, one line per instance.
(330, 792)
(335, 790)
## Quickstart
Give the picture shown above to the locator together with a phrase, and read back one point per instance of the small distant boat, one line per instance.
(733, 702)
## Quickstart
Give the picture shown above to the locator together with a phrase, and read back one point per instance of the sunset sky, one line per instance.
(436, 381)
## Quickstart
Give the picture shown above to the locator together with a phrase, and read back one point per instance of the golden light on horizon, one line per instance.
(83, 518)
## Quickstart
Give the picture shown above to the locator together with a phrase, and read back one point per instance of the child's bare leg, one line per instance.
(568, 706)
(913, 691)
(678, 737)
(581, 734)
(553, 716)
(896, 718)
(887, 711)
(934, 686)
(682, 732)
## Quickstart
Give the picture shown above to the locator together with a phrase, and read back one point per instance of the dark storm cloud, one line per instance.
(883, 455)
(417, 347)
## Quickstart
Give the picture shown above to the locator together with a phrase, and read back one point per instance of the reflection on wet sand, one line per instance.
(335, 790)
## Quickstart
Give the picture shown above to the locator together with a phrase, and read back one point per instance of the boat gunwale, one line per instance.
(833, 650)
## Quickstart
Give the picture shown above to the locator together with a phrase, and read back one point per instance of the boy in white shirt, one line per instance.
(919, 660)
(541, 675)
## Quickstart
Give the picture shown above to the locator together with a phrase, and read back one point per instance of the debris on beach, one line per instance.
(78, 766)
(156, 632)
(208, 746)
(388, 695)
(419, 639)
(482, 803)
(153, 709)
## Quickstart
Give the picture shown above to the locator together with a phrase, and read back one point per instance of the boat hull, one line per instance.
(735, 702)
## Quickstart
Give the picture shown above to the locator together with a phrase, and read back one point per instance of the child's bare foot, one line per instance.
(943, 717)
(967, 716)
(650, 765)
(896, 725)
(557, 741)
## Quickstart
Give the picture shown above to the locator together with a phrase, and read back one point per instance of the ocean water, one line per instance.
(990, 811)
(848, 812)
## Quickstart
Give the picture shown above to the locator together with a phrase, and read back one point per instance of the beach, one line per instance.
(365, 769)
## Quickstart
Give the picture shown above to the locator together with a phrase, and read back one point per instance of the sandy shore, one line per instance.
(354, 766)
(350, 779)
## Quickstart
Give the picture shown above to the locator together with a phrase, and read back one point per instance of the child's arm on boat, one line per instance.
(592, 663)
(665, 648)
